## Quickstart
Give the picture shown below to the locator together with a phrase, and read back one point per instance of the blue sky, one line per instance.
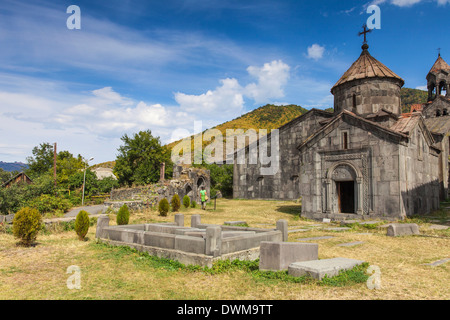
(161, 65)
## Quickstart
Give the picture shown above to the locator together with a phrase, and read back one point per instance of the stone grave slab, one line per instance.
(298, 230)
(439, 227)
(337, 229)
(350, 244)
(437, 263)
(319, 268)
(315, 238)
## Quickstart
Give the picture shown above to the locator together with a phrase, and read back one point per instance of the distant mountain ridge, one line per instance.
(13, 166)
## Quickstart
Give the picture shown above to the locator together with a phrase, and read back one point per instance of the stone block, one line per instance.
(402, 229)
(195, 220)
(190, 244)
(279, 255)
(161, 240)
(179, 219)
(213, 241)
(319, 268)
(282, 225)
(229, 234)
(102, 222)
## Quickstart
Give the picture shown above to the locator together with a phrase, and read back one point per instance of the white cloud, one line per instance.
(271, 79)
(223, 101)
(425, 88)
(405, 3)
(315, 52)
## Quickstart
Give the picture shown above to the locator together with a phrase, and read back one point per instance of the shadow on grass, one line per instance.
(295, 210)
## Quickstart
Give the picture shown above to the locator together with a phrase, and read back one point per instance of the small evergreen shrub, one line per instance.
(176, 204)
(186, 201)
(193, 204)
(26, 225)
(82, 224)
(163, 207)
(123, 216)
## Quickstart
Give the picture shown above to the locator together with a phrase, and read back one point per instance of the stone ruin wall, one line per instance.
(186, 181)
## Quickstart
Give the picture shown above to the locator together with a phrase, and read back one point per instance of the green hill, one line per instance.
(412, 96)
(272, 117)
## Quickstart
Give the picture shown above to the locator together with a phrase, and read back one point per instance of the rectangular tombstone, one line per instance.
(279, 255)
(402, 229)
(319, 268)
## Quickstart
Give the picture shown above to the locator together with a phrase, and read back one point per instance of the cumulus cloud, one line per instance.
(227, 100)
(271, 79)
(315, 52)
(224, 100)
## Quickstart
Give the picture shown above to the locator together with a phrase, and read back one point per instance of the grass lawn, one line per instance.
(39, 272)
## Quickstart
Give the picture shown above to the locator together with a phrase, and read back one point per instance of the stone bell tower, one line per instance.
(438, 79)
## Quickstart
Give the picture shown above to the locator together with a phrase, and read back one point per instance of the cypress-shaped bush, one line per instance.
(123, 216)
(26, 225)
(186, 201)
(82, 224)
(176, 204)
(163, 207)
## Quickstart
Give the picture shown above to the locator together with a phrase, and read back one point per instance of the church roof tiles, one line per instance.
(364, 67)
(440, 65)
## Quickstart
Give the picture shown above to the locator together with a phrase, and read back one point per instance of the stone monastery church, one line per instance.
(367, 159)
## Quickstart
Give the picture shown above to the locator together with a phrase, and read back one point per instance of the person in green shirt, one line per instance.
(203, 198)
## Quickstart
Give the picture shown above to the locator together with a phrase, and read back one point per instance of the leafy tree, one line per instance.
(5, 176)
(76, 182)
(140, 158)
(106, 184)
(41, 161)
(66, 166)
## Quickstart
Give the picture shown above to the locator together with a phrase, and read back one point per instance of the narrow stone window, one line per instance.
(345, 140)
(354, 101)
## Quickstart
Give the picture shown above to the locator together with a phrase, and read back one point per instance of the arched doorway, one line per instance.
(188, 191)
(345, 189)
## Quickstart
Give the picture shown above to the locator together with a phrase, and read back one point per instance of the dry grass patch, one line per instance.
(118, 273)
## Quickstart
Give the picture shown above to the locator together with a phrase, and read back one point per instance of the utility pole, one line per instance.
(54, 164)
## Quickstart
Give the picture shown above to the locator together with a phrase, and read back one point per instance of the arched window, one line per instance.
(445, 112)
(438, 113)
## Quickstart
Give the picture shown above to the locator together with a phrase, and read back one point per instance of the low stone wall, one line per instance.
(175, 241)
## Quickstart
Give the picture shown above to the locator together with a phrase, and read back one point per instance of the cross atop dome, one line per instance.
(365, 31)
